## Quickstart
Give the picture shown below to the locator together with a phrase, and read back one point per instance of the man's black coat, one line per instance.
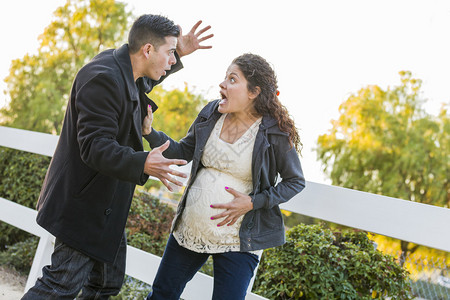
(99, 158)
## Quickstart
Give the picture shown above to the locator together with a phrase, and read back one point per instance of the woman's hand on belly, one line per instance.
(241, 204)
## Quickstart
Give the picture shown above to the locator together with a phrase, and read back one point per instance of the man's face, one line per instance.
(159, 61)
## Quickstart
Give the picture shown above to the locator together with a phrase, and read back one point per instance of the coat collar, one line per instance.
(268, 122)
(122, 57)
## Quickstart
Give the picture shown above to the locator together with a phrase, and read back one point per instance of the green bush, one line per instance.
(133, 289)
(20, 255)
(148, 229)
(149, 223)
(21, 178)
(317, 263)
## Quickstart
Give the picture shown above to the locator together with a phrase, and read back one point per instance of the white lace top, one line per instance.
(224, 164)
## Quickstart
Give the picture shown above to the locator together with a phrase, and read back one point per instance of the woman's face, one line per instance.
(236, 98)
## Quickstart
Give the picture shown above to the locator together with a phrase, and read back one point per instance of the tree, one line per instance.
(178, 109)
(39, 85)
(385, 143)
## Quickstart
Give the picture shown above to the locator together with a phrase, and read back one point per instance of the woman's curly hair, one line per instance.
(259, 73)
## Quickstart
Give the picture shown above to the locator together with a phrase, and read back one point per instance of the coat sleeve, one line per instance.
(99, 106)
(184, 149)
(287, 164)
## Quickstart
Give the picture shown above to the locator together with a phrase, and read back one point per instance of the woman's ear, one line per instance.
(255, 93)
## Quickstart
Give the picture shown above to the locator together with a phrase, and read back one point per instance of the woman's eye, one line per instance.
(232, 80)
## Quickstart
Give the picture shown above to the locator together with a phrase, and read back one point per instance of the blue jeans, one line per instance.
(232, 272)
(71, 272)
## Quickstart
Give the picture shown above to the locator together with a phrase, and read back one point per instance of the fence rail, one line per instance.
(405, 220)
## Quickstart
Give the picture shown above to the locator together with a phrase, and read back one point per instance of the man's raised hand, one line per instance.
(191, 42)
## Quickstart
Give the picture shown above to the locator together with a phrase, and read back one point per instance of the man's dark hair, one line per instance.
(151, 29)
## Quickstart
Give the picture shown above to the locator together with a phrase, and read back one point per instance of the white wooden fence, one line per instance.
(414, 222)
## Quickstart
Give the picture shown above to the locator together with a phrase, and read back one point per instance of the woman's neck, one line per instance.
(235, 125)
(244, 118)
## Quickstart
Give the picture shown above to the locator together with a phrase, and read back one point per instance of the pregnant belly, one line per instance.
(208, 189)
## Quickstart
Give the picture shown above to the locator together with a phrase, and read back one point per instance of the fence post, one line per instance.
(41, 258)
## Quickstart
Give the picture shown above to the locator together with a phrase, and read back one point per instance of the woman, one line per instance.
(238, 145)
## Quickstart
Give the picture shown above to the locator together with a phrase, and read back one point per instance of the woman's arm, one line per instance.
(184, 149)
(290, 170)
(292, 183)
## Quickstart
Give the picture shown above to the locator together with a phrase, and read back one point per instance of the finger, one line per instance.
(232, 191)
(163, 147)
(203, 30)
(181, 30)
(179, 174)
(194, 28)
(205, 38)
(166, 179)
(149, 110)
(220, 216)
(224, 222)
(221, 206)
(232, 222)
(174, 181)
(166, 183)
(176, 162)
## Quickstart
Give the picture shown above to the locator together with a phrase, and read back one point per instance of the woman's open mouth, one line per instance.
(224, 98)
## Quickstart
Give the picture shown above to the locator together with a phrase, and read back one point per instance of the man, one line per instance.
(99, 159)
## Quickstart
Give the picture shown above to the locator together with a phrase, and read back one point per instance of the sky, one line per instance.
(322, 51)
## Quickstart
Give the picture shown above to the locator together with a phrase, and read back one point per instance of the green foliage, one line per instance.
(291, 219)
(152, 183)
(39, 85)
(148, 229)
(20, 255)
(317, 263)
(21, 177)
(208, 267)
(149, 223)
(385, 143)
(177, 110)
(133, 289)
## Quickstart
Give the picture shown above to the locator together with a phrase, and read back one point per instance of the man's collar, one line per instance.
(122, 56)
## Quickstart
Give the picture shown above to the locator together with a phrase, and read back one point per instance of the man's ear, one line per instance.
(254, 94)
(146, 49)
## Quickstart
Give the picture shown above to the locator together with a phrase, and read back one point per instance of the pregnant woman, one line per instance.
(238, 146)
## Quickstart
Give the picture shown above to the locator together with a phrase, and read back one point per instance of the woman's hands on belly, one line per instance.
(239, 206)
